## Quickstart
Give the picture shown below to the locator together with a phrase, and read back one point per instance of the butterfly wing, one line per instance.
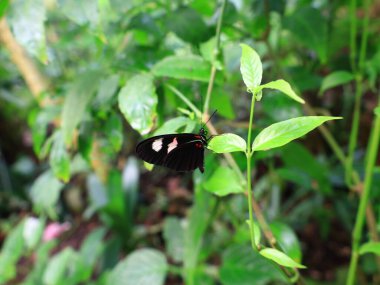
(186, 157)
(181, 152)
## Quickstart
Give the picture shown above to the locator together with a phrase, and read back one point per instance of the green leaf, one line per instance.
(377, 111)
(45, 191)
(287, 240)
(227, 143)
(310, 28)
(59, 158)
(283, 86)
(113, 129)
(27, 19)
(33, 229)
(81, 13)
(281, 133)
(79, 95)
(56, 270)
(138, 101)
(107, 89)
(190, 67)
(92, 247)
(3, 7)
(174, 238)
(256, 231)
(223, 181)
(143, 267)
(12, 249)
(173, 125)
(243, 266)
(335, 78)
(370, 247)
(280, 258)
(250, 67)
(187, 24)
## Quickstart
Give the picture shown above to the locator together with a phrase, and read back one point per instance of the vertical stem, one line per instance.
(216, 53)
(249, 182)
(359, 80)
(372, 151)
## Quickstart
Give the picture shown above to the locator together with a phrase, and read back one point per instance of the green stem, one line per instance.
(185, 100)
(359, 81)
(249, 174)
(372, 152)
(215, 56)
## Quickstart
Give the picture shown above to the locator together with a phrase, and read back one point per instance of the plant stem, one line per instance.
(359, 81)
(185, 100)
(215, 55)
(249, 174)
(372, 151)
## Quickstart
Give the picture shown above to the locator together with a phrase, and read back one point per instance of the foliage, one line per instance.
(81, 82)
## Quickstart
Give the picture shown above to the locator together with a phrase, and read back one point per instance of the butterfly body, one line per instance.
(181, 152)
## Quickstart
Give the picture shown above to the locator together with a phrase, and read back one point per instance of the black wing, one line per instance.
(170, 150)
(186, 157)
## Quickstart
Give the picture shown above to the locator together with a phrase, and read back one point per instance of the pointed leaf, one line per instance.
(143, 267)
(76, 102)
(223, 181)
(250, 67)
(227, 143)
(190, 67)
(335, 79)
(59, 158)
(138, 101)
(280, 258)
(283, 86)
(370, 247)
(281, 133)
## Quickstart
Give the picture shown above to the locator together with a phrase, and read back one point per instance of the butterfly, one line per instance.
(181, 152)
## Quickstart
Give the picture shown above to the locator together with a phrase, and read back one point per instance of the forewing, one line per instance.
(186, 157)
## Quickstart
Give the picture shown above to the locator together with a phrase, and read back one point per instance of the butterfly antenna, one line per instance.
(210, 117)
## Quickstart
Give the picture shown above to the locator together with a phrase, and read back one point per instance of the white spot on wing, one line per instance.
(172, 145)
(157, 144)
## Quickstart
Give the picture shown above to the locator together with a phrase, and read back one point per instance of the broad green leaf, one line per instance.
(32, 233)
(377, 111)
(250, 67)
(113, 129)
(223, 181)
(59, 158)
(173, 125)
(190, 67)
(243, 266)
(309, 26)
(227, 143)
(280, 258)
(12, 249)
(55, 272)
(174, 238)
(287, 240)
(256, 231)
(27, 19)
(82, 12)
(45, 191)
(335, 79)
(283, 86)
(281, 133)
(107, 89)
(79, 95)
(138, 101)
(92, 246)
(143, 267)
(187, 24)
(3, 7)
(370, 247)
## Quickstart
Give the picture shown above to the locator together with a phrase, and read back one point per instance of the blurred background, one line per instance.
(82, 82)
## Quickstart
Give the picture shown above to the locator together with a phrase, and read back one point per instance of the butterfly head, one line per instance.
(203, 132)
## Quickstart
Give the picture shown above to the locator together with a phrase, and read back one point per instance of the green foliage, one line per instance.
(117, 70)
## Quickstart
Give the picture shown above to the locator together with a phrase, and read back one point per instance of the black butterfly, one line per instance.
(181, 152)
